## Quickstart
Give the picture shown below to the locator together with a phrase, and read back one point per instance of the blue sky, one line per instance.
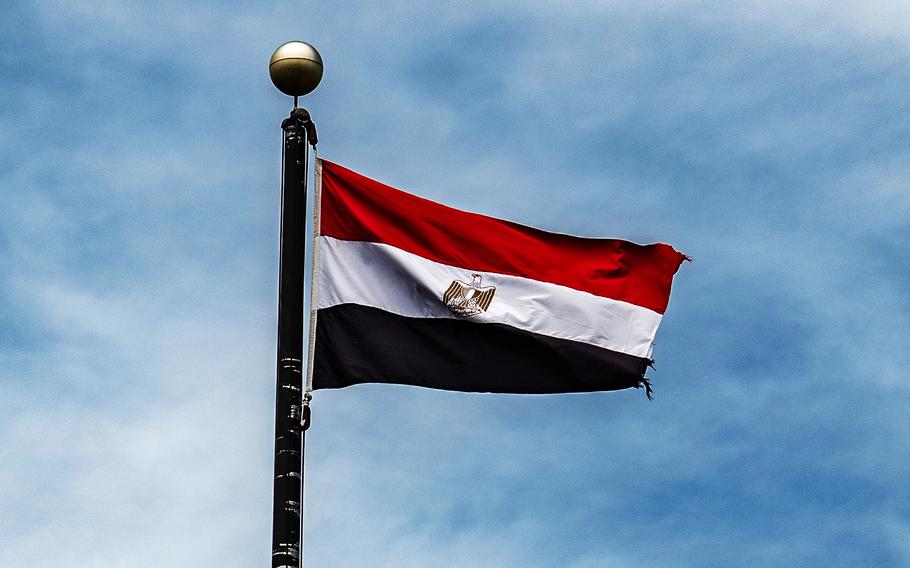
(139, 172)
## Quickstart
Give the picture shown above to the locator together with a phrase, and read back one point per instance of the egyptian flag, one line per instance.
(412, 292)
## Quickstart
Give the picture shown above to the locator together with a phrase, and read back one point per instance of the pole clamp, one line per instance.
(305, 412)
(300, 118)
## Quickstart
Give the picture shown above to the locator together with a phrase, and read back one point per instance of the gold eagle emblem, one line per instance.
(467, 299)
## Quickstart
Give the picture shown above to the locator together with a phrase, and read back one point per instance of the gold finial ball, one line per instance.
(296, 68)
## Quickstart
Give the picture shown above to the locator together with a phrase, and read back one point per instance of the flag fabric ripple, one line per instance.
(409, 291)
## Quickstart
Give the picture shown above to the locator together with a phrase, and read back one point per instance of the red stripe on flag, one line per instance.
(357, 208)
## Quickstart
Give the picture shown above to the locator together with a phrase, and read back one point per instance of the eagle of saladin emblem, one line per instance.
(468, 299)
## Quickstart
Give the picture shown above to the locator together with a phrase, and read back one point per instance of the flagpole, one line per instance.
(295, 69)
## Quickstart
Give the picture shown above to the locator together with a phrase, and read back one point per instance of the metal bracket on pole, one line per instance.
(302, 117)
(305, 413)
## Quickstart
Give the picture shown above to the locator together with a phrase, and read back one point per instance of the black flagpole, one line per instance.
(295, 69)
(289, 436)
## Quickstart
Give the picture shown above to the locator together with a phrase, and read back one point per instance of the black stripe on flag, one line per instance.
(360, 344)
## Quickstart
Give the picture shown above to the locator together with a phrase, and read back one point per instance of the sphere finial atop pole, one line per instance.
(295, 68)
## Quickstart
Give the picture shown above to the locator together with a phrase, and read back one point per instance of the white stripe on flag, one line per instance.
(388, 278)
